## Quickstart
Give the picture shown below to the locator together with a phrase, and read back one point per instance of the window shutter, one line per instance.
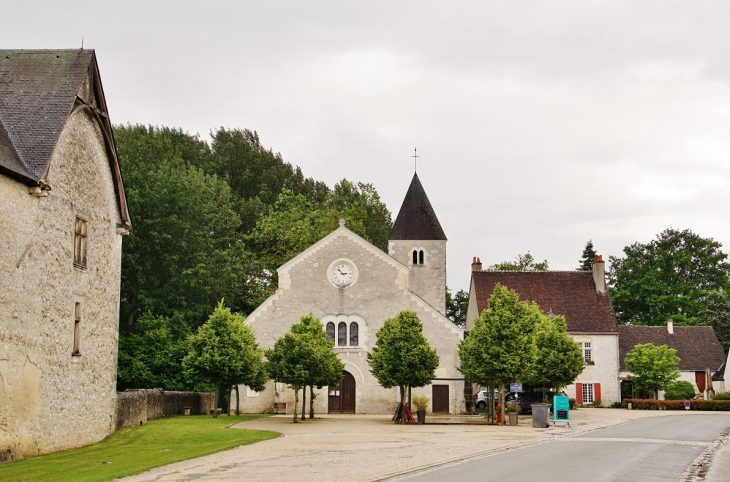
(597, 391)
(579, 393)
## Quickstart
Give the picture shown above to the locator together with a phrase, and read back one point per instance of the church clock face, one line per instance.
(342, 273)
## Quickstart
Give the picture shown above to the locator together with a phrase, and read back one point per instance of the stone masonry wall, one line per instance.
(136, 407)
(427, 280)
(49, 399)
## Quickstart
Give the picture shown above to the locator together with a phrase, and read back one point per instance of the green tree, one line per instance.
(456, 307)
(558, 358)
(679, 391)
(524, 262)
(500, 348)
(224, 352)
(586, 260)
(715, 312)
(151, 354)
(323, 366)
(377, 222)
(666, 278)
(652, 367)
(402, 356)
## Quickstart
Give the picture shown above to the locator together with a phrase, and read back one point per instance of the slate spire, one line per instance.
(416, 219)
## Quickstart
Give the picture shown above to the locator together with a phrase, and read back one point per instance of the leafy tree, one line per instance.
(500, 349)
(377, 222)
(323, 366)
(589, 254)
(524, 262)
(558, 358)
(402, 356)
(224, 352)
(151, 354)
(456, 307)
(304, 356)
(679, 391)
(715, 312)
(652, 367)
(666, 278)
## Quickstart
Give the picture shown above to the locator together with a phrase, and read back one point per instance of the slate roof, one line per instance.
(697, 346)
(37, 93)
(416, 219)
(39, 90)
(569, 293)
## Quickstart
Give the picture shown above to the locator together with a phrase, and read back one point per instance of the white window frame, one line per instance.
(587, 349)
(589, 393)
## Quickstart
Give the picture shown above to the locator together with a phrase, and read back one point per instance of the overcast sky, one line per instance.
(539, 125)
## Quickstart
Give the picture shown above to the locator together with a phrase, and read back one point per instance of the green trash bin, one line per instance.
(540, 415)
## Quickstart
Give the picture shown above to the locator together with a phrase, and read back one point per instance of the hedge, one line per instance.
(704, 405)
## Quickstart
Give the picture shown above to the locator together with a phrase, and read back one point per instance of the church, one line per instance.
(353, 287)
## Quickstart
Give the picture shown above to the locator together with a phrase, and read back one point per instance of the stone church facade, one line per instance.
(62, 218)
(353, 287)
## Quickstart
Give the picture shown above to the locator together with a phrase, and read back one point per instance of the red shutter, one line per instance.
(596, 391)
(579, 393)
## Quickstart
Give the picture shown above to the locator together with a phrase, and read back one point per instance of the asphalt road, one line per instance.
(657, 449)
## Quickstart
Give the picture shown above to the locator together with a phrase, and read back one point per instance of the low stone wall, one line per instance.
(135, 407)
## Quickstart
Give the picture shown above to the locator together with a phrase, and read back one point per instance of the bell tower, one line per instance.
(418, 241)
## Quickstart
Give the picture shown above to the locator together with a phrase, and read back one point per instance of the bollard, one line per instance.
(629, 406)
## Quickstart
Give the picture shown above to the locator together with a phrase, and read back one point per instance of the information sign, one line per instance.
(561, 409)
(515, 387)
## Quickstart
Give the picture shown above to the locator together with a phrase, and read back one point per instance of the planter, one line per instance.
(512, 418)
(421, 417)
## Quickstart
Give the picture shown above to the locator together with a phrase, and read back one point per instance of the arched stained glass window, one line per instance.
(415, 257)
(342, 334)
(353, 334)
(420, 257)
(331, 331)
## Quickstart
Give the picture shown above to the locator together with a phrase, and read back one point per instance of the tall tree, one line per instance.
(456, 307)
(586, 260)
(558, 358)
(224, 352)
(652, 367)
(715, 312)
(402, 356)
(666, 278)
(523, 262)
(377, 222)
(500, 347)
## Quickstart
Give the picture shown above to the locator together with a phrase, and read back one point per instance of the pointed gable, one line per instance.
(39, 91)
(416, 219)
(569, 293)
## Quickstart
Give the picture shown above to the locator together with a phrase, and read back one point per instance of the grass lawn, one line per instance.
(137, 449)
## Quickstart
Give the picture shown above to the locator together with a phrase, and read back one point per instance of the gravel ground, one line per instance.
(371, 447)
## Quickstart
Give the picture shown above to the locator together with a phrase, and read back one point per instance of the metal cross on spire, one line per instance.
(415, 159)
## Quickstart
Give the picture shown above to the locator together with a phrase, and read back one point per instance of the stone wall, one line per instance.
(51, 399)
(136, 407)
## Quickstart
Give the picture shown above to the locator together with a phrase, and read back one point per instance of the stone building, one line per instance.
(697, 348)
(353, 287)
(583, 299)
(62, 217)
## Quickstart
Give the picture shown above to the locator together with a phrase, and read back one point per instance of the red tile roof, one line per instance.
(568, 293)
(697, 346)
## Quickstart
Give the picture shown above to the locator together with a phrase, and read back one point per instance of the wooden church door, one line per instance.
(341, 397)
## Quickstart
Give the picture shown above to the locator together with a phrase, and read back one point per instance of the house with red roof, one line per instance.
(582, 298)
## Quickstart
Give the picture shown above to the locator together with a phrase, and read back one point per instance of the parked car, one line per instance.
(526, 399)
(482, 398)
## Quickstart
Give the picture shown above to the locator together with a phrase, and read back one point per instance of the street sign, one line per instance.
(561, 409)
(515, 387)
(686, 404)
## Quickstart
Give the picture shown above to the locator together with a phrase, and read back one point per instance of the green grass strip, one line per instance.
(137, 449)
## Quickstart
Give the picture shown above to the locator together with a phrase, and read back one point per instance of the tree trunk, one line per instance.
(311, 402)
(296, 401)
(215, 404)
(238, 402)
(403, 404)
(501, 401)
(304, 403)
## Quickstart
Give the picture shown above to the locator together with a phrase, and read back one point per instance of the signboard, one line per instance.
(686, 404)
(561, 409)
(515, 387)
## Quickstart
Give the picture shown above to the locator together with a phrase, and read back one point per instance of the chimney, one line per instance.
(670, 326)
(599, 274)
(476, 264)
